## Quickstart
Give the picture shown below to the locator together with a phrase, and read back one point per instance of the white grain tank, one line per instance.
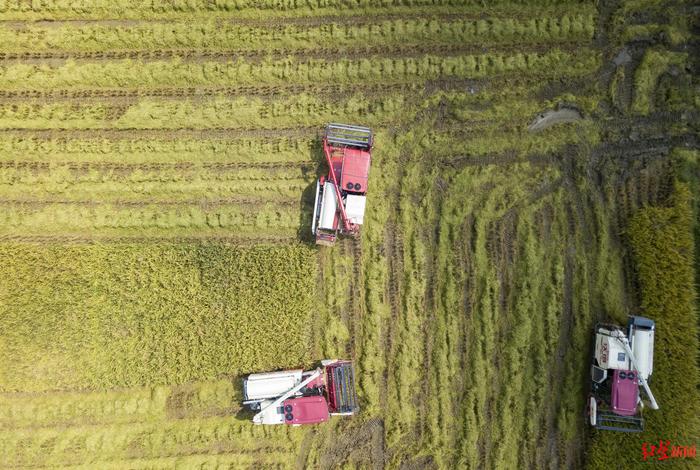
(641, 335)
(329, 207)
(270, 384)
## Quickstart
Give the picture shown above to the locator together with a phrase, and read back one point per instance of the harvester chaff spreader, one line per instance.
(339, 207)
(296, 397)
(622, 362)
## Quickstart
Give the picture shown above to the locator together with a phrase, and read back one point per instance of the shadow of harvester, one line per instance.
(308, 196)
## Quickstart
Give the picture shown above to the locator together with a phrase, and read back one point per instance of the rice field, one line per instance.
(157, 170)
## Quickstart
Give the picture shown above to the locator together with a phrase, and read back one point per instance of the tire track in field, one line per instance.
(553, 440)
(365, 442)
(272, 91)
(394, 255)
(431, 236)
(206, 92)
(352, 313)
(499, 159)
(454, 128)
(393, 247)
(349, 248)
(321, 53)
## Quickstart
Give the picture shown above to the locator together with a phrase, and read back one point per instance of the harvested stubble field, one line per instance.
(156, 169)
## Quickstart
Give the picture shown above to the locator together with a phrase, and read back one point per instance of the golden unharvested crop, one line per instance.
(121, 315)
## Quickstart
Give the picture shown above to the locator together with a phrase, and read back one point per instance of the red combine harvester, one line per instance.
(339, 207)
(622, 363)
(296, 397)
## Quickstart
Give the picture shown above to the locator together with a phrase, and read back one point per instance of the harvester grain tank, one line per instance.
(339, 207)
(297, 397)
(622, 363)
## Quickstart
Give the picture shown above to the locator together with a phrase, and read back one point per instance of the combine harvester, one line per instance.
(621, 363)
(339, 207)
(296, 397)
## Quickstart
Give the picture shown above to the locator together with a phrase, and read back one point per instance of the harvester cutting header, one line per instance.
(339, 207)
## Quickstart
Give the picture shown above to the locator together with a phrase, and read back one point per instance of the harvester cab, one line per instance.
(296, 397)
(339, 207)
(622, 362)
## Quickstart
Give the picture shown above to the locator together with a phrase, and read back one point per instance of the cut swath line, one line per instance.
(333, 90)
(171, 134)
(202, 202)
(81, 238)
(129, 167)
(351, 53)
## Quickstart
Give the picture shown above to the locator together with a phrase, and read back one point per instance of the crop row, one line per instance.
(60, 9)
(61, 217)
(324, 52)
(514, 102)
(239, 113)
(190, 151)
(255, 186)
(68, 173)
(552, 64)
(485, 144)
(179, 192)
(505, 83)
(482, 111)
(328, 89)
(491, 113)
(213, 35)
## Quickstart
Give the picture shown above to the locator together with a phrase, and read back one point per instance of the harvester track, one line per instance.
(274, 91)
(394, 51)
(352, 249)
(395, 260)
(271, 91)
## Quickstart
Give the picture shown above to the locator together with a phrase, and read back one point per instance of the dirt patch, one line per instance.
(364, 446)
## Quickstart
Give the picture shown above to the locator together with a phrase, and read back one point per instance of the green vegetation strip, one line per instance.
(662, 242)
